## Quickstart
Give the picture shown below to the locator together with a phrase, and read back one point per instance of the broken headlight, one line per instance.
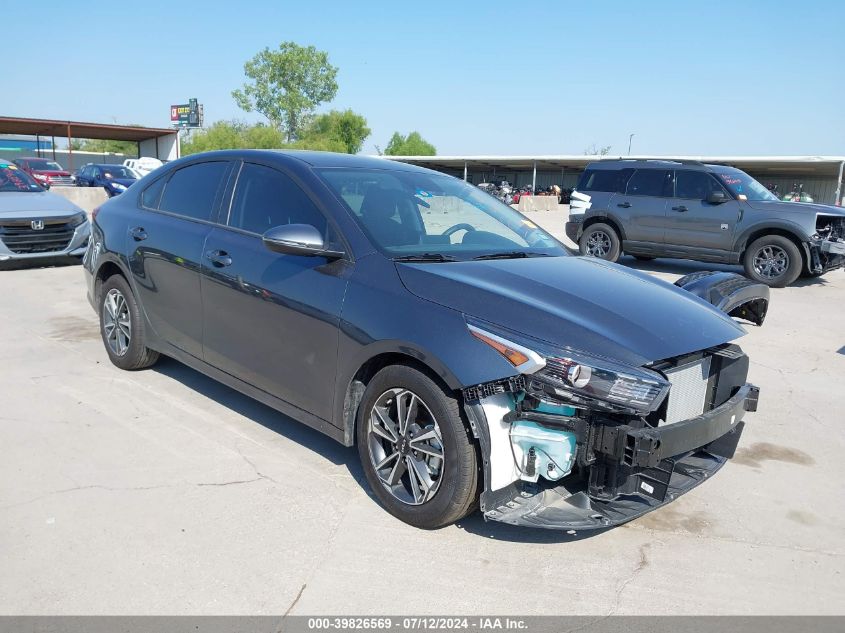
(583, 380)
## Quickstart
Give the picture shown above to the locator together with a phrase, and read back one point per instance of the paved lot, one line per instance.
(163, 492)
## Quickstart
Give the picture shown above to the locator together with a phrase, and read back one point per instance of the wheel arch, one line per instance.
(353, 388)
(605, 219)
(105, 269)
(782, 230)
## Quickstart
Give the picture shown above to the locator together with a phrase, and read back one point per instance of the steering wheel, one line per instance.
(457, 227)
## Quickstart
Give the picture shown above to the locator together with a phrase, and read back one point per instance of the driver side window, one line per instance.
(694, 185)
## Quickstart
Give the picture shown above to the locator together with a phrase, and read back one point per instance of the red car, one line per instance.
(46, 172)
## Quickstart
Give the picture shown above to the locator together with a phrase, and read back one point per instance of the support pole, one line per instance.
(38, 146)
(534, 178)
(69, 148)
(53, 145)
(465, 171)
(838, 201)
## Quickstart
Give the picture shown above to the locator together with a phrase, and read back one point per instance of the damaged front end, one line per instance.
(575, 442)
(827, 246)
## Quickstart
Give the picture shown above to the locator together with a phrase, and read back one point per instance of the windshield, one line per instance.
(118, 171)
(45, 165)
(741, 184)
(439, 218)
(14, 179)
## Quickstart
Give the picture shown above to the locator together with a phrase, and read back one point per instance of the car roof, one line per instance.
(314, 159)
(634, 163)
(105, 165)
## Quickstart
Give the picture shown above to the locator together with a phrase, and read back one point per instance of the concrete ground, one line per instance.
(162, 491)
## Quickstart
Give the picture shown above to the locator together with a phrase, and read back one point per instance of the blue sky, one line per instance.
(473, 77)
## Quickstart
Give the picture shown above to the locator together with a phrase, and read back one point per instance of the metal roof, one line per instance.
(816, 165)
(77, 129)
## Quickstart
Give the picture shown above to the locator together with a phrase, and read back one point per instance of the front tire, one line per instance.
(122, 326)
(773, 260)
(417, 454)
(600, 240)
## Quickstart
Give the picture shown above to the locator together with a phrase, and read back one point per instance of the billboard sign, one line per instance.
(186, 114)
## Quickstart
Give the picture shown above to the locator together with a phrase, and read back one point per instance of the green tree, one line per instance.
(412, 145)
(103, 146)
(233, 135)
(286, 85)
(341, 131)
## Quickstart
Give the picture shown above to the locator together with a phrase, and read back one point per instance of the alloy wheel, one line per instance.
(771, 261)
(117, 324)
(598, 244)
(405, 446)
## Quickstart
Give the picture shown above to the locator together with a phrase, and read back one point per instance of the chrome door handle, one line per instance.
(220, 259)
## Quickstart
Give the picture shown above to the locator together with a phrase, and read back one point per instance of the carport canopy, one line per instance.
(161, 143)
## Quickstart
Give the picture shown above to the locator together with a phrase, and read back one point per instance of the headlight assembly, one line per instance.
(581, 379)
(78, 218)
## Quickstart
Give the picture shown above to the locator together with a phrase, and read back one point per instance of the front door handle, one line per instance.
(624, 205)
(680, 209)
(220, 259)
(138, 233)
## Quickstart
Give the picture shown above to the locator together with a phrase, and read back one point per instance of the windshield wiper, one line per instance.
(426, 257)
(511, 255)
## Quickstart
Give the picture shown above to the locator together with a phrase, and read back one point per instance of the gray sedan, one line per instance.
(36, 225)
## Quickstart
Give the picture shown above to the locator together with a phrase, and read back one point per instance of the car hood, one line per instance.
(126, 182)
(42, 204)
(793, 208)
(50, 172)
(584, 304)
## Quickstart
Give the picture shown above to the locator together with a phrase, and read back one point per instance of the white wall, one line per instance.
(164, 148)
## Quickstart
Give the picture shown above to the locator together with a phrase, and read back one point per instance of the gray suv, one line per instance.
(711, 213)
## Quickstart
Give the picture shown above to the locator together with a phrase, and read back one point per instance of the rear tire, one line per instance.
(773, 260)
(600, 240)
(122, 326)
(416, 486)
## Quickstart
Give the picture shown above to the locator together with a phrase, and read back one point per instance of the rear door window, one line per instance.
(650, 182)
(152, 194)
(193, 191)
(606, 180)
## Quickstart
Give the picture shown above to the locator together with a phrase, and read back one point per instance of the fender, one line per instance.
(733, 294)
(782, 225)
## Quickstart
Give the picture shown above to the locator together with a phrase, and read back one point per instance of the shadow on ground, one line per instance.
(262, 414)
(338, 454)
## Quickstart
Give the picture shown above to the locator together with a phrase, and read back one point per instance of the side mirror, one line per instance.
(717, 197)
(298, 239)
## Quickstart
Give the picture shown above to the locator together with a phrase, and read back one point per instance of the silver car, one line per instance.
(37, 225)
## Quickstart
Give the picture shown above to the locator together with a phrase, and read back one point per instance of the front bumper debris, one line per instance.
(570, 507)
(626, 470)
(826, 255)
(733, 294)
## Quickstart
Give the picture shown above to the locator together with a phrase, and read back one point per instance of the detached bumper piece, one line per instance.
(733, 294)
(627, 471)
